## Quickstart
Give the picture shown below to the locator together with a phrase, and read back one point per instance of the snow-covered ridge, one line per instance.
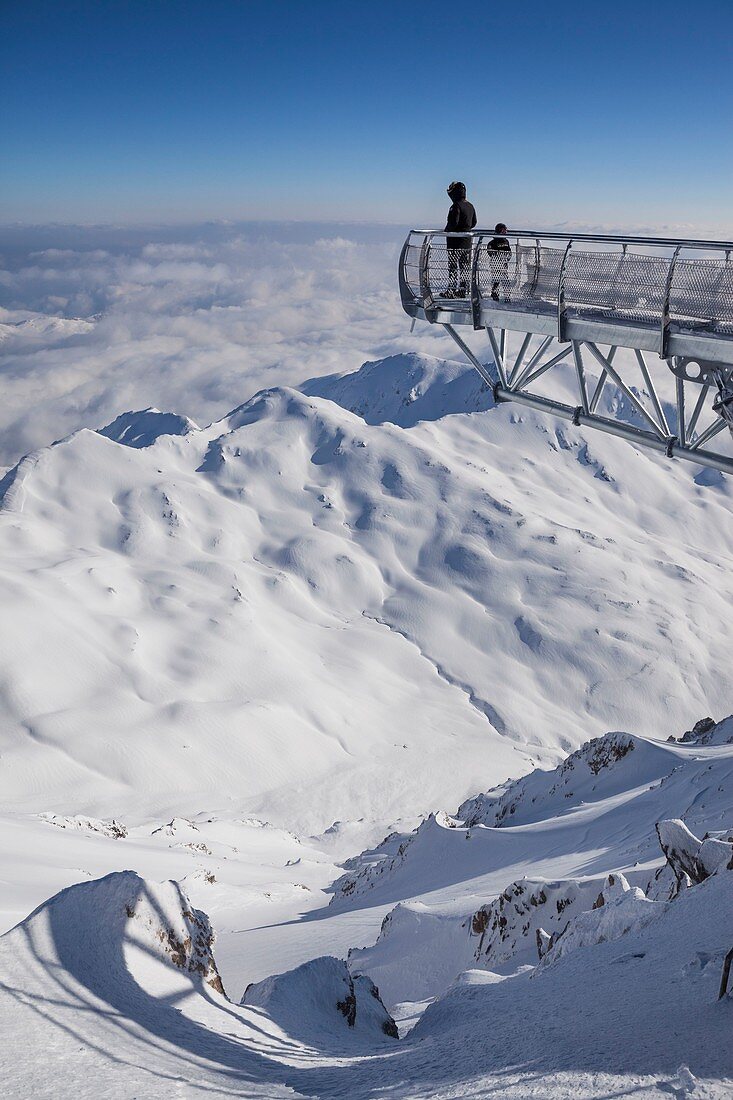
(609, 781)
(31, 330)
(576, 779)
(217, 578)
(102, 932)
(405, 389)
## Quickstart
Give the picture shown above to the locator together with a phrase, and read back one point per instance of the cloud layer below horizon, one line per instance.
(193, 326)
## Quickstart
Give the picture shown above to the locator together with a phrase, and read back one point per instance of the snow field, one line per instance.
(240, 654)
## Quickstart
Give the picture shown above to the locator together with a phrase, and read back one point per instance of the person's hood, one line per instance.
(457, 191)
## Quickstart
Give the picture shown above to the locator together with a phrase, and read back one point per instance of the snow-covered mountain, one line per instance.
(574, 987)
(240, 654)
(205, 615)
(405, 389)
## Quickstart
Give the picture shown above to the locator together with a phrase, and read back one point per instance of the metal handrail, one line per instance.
(663, 332)
(561, 291)
(681, 308)
(651, 306)
(605, 238)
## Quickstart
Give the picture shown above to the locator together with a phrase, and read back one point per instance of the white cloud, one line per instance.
(192, 325)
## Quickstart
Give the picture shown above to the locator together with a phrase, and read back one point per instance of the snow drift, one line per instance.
(321, 1000)
(108, 932)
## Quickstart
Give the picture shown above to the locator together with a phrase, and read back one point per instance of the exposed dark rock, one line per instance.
(347, 1007)
(544, 941)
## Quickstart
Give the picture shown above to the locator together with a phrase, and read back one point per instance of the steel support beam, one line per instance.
(617, 428)
(629, 393)
(471, 357)
(498, 352)
(654, 438)
(652, 391)
(618, 297)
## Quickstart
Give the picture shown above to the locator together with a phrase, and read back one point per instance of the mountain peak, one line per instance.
(405, 389)
(144, 427)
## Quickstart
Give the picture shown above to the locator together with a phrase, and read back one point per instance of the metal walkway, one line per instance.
(571, 293)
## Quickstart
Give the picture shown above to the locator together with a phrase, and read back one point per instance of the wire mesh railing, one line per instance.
(644, 281)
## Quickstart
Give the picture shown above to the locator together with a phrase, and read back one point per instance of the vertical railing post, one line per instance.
(475, 292)
(561, 338)
(664, 331)
(426, 292)
(537, 260)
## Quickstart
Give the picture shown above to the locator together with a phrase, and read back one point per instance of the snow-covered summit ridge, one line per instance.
(405, 389)
(617, 786)
(142, 429)
(598, 769)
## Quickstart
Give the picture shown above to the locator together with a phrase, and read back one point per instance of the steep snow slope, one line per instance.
(203, 620)
(590, 820)
(111, 990)
(116, 983)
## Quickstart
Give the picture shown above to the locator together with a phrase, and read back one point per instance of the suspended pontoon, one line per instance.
(581, 297)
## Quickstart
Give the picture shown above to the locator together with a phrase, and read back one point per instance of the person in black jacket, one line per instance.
(500, 252)
(461, 217)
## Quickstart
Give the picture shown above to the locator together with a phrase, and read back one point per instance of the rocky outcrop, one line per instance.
(528, 918)
(320, 1000)
(112, 829)
(622, 908)
(692, 860)
(187, 939)
(515, 801)
(709, 732)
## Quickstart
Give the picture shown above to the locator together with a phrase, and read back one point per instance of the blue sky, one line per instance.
(589, 113)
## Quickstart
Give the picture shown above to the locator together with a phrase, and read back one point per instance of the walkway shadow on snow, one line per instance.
(95, 997)
(558, 1022)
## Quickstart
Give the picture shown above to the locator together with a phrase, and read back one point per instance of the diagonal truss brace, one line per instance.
(511, 381)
